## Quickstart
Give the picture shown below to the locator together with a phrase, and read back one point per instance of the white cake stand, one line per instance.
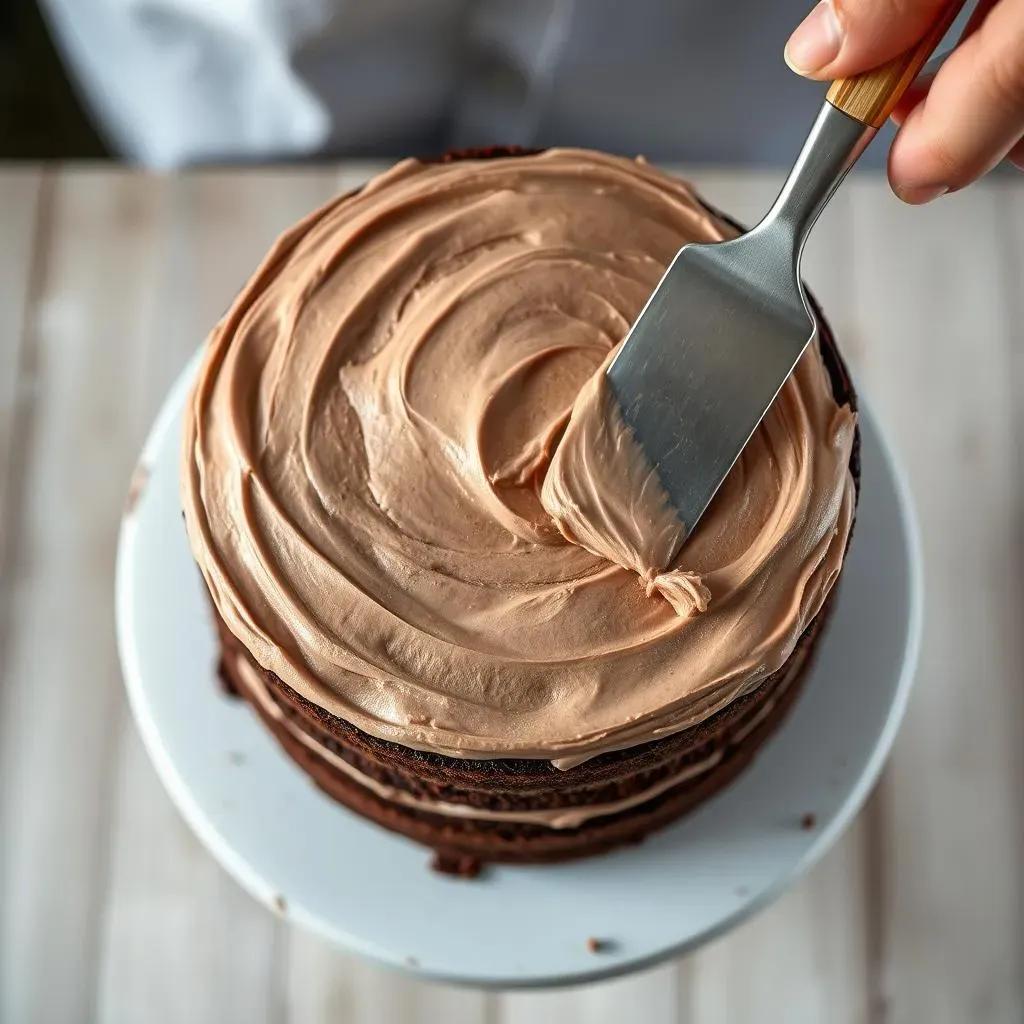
(373, 893)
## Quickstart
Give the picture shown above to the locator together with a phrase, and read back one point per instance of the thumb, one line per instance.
(845, 37)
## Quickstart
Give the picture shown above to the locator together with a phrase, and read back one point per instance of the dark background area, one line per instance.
(41, 118)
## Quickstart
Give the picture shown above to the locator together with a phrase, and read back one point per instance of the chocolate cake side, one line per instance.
(493, 809)
(729, 740)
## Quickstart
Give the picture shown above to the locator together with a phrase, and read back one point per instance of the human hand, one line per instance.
(955, 125)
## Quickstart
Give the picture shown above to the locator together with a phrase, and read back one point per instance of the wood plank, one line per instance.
(935, 309)
(325, 986)
(1009, 195)
(60, 701)
(132, 276)
(19, 209)
(173, 916)
(651, 996)
(801, 960)
(20, 202)
(171, 912)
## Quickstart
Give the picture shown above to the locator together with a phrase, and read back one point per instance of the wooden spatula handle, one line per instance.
(870, 97)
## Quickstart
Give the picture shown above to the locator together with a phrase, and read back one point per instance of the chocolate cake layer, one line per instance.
(399, 788)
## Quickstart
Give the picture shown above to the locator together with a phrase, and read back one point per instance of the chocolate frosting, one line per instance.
(366, 446)
(603, 494)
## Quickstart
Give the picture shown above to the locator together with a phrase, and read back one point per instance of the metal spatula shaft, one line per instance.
(728, 322)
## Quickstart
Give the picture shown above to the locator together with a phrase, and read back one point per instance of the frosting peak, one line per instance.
(366, 470)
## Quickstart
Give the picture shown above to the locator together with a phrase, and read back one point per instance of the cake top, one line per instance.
(368, 439)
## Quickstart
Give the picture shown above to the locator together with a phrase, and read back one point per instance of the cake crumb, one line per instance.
(280, 905)
(140, 477)
(236, 757)
(420, 720)
(456, 864)
(595, 945)
(808, 821)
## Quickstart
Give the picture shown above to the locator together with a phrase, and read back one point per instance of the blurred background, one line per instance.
(171, 83)
(41, 115)
(150, 151)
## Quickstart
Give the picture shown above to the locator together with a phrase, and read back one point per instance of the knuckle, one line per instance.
(918, 13)
(1005, 79)
(879, 29)
(873, 10)
(946, 161)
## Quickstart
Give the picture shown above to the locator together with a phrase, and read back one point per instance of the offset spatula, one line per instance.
(728, 321)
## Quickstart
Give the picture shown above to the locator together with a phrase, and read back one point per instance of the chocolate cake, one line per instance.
(410, 584)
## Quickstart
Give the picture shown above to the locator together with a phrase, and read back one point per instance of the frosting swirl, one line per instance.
(367, 441)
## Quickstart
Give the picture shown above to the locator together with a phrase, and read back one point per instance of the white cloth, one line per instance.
(175, 82)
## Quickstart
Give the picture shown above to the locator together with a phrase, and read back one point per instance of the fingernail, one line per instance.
(816, 41)
(918, 195)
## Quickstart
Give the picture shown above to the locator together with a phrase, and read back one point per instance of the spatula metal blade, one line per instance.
(706, 358)
(725, 328)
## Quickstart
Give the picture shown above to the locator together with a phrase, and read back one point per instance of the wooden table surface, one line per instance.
(109, 908)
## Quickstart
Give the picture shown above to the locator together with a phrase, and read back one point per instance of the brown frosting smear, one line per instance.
(366, 446)
(604, 494)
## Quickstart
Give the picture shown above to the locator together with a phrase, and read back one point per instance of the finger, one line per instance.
(920, 86)
(1016, 155)
(972, 115)
(914, 95)
(845, 37)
